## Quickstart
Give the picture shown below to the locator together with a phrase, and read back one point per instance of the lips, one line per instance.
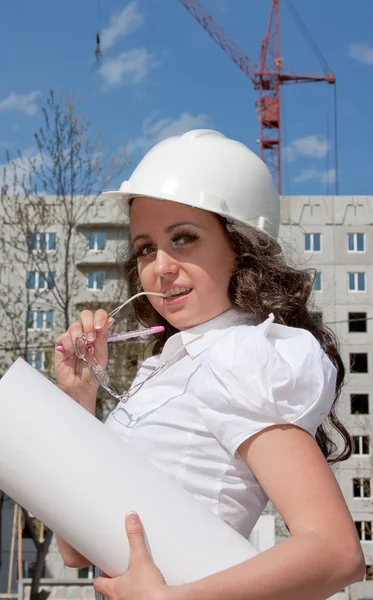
(176, 291)
(178, 299)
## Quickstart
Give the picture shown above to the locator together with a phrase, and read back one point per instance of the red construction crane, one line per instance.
(267, 78)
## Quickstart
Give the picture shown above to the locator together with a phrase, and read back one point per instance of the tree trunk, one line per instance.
(1, 521)
(39, 566)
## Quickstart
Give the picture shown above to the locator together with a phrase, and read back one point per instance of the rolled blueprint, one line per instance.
(79, 478)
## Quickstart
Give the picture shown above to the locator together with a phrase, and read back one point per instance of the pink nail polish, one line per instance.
(60, 348)
(133, 517)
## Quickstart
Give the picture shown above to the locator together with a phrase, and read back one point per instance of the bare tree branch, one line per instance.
(54, 192)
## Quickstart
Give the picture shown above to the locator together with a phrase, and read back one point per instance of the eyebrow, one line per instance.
(168, 229)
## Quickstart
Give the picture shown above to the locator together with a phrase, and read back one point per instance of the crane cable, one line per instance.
(336, 158)
(303, 27)
(327, 141)
(98, 54)
(308, 36)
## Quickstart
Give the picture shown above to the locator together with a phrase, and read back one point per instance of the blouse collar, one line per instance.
(199, 338)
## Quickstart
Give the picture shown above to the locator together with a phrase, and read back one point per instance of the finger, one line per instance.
(136, 538)
(102, 334)
(66, 343)
(74, 330)
(86, 319)
(100, 320)
(103, 585)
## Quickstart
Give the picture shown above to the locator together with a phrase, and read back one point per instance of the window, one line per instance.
(312, 242)
(85, 573)
(42, 241)
(36, 358)
(40, 319)
(357, 282)
(358, 362)
(362, 444)
(95, 280)
(356, 242)
(359, 404)
(37, 280)
(357, 322)
(317, 282)
(97, 240)
(28, 569)
(361, 486)
(369, 572)
(364, 530)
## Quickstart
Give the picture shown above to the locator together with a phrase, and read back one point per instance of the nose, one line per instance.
(164, 264)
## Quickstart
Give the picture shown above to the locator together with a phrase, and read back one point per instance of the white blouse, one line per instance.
(234, 380)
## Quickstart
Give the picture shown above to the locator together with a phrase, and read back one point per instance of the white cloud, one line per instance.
(155, 130)
(25, 103)
(128, 68)
(128, 20)
(314, 146)
(362, 53)
(288, 153)
(11, 175)
(327, 177)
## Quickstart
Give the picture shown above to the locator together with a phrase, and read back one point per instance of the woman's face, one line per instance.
(184, 252)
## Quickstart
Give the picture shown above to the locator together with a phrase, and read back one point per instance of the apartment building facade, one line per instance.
(333, 236)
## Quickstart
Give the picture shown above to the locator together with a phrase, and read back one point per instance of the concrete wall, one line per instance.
(332, 217)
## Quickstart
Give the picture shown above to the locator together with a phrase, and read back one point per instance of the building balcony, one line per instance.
(97, 258)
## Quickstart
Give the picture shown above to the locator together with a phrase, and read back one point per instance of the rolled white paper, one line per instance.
(79, 478)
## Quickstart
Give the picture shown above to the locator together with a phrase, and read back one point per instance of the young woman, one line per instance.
(242, 408)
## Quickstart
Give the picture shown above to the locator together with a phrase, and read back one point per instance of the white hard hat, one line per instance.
(206, 170)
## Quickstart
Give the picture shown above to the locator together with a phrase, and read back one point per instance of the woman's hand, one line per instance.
(143, 580)
(73, 375)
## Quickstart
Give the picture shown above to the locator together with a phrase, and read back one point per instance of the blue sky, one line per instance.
(162, 74)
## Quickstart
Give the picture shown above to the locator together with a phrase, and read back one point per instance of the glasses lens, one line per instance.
(81, 347)
(86, 353)
(98, 371)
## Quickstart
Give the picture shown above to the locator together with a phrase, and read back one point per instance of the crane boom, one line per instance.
(235, 53)
(267, 78)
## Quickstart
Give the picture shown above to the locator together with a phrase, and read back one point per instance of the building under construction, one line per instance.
(331, 235)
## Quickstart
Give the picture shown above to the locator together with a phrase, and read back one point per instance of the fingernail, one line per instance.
(98, 325)
(132, 517)
(60, 349)
(91, 336)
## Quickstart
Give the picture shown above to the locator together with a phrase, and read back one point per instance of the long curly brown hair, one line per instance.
(263, 283)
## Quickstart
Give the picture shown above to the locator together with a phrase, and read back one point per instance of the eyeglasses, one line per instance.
(85, 351)
(127, 417)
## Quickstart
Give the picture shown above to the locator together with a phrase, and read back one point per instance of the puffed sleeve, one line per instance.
(254, 377)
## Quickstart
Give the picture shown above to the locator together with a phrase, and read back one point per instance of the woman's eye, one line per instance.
(145, 250)
(181, 240)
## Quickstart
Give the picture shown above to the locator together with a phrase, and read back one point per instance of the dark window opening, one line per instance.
(361, 487)
(362, 444)
(359, 362)
(357, 322)
(83, 573)
(359, 404)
